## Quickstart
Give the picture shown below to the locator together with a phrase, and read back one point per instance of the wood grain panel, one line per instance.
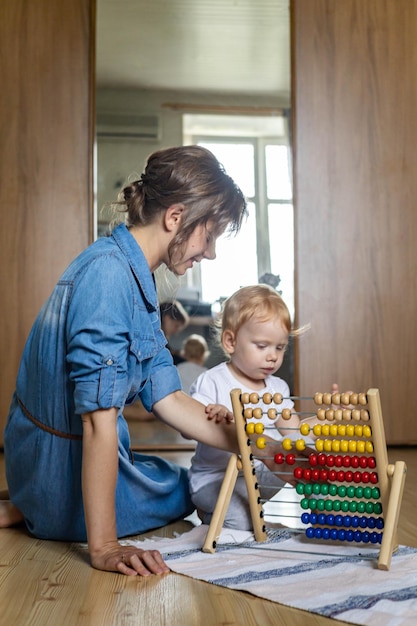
(355, 163)
(46, 130)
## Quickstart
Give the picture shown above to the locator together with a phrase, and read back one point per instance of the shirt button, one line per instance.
(109, 362)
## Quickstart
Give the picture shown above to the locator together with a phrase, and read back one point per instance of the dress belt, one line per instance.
(49, 430)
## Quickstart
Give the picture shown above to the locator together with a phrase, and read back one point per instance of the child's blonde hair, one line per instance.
(261, 301)
(195, 348)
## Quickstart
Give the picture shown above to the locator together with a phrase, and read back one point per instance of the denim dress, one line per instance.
(96, 344)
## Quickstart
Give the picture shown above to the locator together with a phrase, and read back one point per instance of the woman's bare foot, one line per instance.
(9, 514)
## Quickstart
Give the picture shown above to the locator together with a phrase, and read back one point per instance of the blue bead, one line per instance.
(305, 518)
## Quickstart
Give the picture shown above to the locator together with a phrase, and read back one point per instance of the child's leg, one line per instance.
(237, 515)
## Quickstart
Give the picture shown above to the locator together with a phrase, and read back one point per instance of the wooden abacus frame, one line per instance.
(391, 478)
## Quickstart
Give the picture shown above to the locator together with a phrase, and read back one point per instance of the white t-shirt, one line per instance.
(214, 387)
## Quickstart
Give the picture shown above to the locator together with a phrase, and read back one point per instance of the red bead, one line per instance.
(323, 475)
(298, 473)
(357, 477)
(330, 460)
(279, 458)
(341, 476)
(290, 458)
(338, 460)
(354, 461)
(374, 478)
(321, 459)
(313, 459)
(315, 474)
(332, 475)
(372, 462)
(346, 461)
(366, 477)
(348, 476)
(363, 461)
(307, 474)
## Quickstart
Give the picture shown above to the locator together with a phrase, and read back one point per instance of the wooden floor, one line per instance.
(48, 583)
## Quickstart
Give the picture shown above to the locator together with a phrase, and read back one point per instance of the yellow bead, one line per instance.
(261, 443)
(327, 446)
(367, 431)
(319, 445)
(360, 446)
(287, 443)
(250, 428)
(259, 428)
(341, 430)
(333, 430)
(352, 445)
(317, 430)
(358, 430)
(305, 429)
(350, 430)
(344, 445)
(336, 445)
(300, 444)
(369, 447)
(325, 430)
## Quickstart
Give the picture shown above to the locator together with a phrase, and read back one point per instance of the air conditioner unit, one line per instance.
(128, 126)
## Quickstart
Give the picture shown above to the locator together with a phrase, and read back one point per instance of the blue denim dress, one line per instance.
(95, 344)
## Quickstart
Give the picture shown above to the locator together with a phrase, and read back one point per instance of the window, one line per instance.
(255, 153)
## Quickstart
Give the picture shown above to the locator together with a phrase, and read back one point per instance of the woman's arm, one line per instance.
(190, 417)
(99, 477)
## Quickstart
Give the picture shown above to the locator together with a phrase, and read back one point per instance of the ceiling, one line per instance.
(214, 46)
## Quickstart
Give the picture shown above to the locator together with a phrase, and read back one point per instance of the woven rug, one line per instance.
(340, 582)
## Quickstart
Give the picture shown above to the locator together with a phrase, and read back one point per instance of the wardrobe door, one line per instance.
(46, 166)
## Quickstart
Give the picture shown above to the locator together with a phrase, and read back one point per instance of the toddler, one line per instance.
(254, 330)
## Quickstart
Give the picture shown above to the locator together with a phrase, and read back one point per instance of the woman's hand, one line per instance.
(129, 560)
(219, 413)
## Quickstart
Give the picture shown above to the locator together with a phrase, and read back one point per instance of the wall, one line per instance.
(46, 195)
(355, 162)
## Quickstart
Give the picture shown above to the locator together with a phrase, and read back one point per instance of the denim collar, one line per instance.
(138, 263)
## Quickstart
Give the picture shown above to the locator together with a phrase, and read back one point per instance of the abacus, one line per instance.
(347, 489)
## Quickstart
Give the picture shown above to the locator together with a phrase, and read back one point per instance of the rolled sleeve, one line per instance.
(163, 381)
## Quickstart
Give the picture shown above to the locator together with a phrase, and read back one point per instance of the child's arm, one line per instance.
(99, 477)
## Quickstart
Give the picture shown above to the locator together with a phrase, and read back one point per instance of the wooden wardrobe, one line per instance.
(355, 176)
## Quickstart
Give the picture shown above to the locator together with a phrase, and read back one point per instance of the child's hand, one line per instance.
(219, 413)
(335, 389)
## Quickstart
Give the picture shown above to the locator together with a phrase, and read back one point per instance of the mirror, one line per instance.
(159, 61)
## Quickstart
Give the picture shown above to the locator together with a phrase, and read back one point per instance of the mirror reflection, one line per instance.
(216, 74)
